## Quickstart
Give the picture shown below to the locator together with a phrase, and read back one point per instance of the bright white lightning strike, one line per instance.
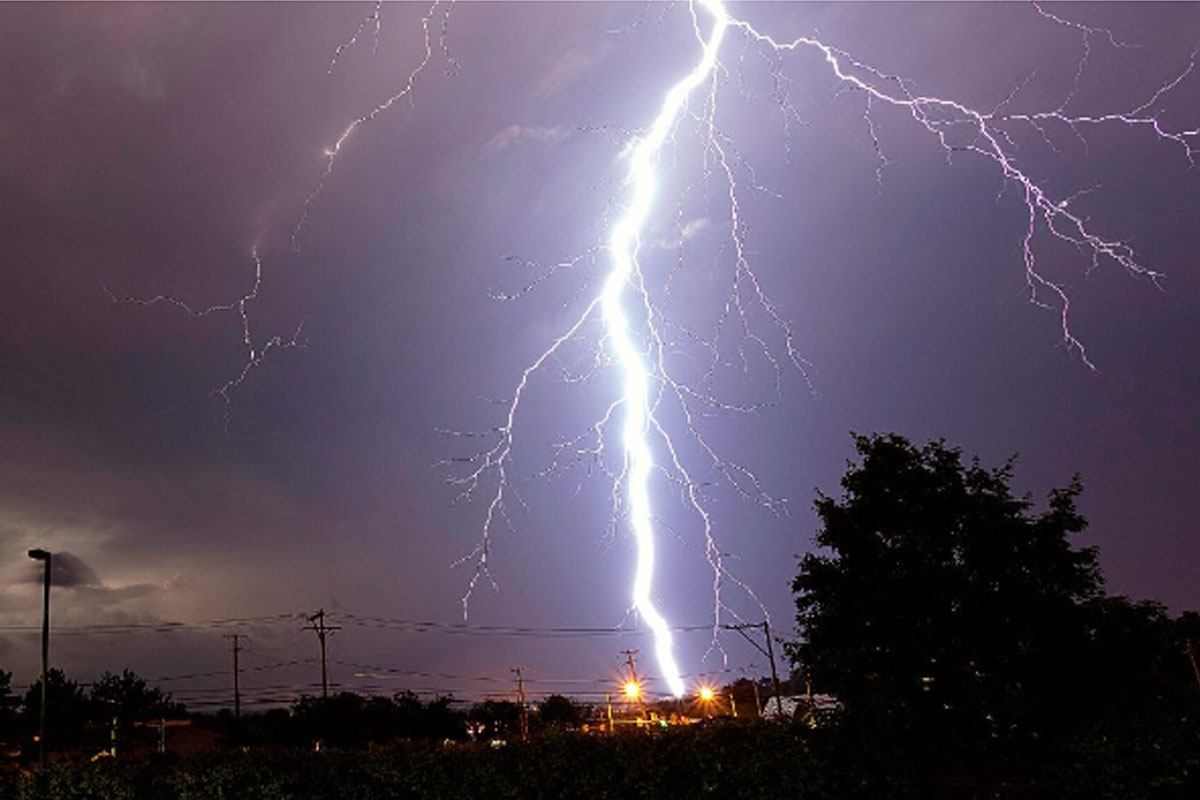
(623, 249)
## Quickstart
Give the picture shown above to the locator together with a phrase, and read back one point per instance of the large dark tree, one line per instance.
(942, 602)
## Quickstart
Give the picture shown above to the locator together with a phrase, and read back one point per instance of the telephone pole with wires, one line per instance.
(317, 625)
(633, 689)
(237, 692)
(524, 709)
(768, 651)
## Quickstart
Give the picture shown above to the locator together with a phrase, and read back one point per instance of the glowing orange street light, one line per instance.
(707, 695)
(632, 690)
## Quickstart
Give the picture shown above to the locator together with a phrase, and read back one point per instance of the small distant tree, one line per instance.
(443, 721)
(8, 708)
(130, 698)
(67, 709)
(336, 720)
(495, 718)
(406, 716)
(126, 698)
(559, 711)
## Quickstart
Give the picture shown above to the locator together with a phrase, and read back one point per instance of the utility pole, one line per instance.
(766, 626)
(322, 630)
(749, 670)
(769, 652)
(629, 654)
(521, 699)
(237, 694)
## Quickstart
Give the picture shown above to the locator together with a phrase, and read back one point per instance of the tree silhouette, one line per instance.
(495, 718)
(944, 604)
(129, 698)
(125, 698)
(67, 709)
(8, 708)
(346, 719)
(559, 711)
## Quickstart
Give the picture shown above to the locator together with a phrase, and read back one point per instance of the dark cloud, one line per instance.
(66, 571)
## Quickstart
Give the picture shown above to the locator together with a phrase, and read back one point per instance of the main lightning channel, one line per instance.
(624, 243)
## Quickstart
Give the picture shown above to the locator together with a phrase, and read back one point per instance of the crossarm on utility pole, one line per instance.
(317, 624)
(768, 651)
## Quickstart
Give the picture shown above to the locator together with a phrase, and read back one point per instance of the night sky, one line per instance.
(147, 149)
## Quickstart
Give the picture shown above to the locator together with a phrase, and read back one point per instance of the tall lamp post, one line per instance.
(44, 555)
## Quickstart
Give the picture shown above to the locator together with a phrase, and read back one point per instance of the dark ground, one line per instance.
(762, 760)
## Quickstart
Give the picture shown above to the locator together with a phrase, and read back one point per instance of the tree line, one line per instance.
(106, 714)
(113, 702)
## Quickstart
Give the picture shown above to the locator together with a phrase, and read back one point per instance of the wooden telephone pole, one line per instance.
(629, 654)
(768, 651)
(237, 692)
(317, 625)
(521, 700)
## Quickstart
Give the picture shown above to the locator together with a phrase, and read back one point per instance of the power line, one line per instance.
(357, 620)
(463, 628)
(166, 626)
(222, 672)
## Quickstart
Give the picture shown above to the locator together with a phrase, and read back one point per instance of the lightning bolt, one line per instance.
(637, 346)
(637, 375)
(256, 354)
(406, 93)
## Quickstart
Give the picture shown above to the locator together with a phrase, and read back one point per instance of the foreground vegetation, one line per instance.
(726, 760)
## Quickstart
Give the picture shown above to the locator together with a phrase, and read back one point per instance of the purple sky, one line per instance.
(147, 148)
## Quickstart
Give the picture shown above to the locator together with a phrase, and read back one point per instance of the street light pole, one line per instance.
(44, 555)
